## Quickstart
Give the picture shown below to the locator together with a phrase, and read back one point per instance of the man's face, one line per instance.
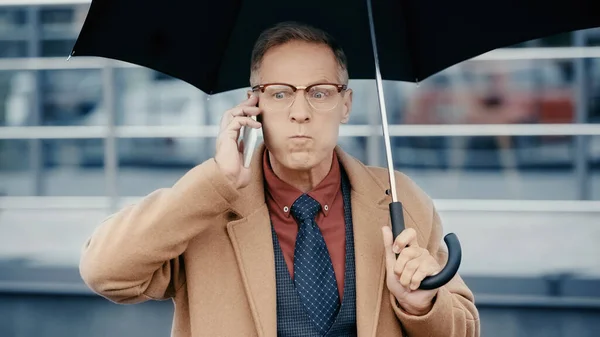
(301, 64)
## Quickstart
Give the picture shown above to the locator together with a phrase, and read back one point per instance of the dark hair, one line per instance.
(289, 31)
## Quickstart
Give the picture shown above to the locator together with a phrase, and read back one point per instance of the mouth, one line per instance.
(300, 137)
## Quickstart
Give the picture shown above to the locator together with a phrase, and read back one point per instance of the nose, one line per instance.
(300, 110)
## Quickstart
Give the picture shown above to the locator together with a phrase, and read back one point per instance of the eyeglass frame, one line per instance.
(340, 88)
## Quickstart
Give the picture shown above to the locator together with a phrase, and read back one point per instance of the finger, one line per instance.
(245, 111)
(237, 122)
(409, 271)
(250, 101)
(238, 112)
(407, 255)
(407, 237)
(424, 270)
(390, 257)
(233, 128)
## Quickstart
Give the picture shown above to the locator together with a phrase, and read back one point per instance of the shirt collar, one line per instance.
(285, 194)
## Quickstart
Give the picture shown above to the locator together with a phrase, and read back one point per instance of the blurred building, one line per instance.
(507, 144)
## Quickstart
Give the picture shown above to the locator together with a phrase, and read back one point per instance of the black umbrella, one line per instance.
(208, 44)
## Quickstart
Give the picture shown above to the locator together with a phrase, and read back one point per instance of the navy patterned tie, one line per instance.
(313, 271)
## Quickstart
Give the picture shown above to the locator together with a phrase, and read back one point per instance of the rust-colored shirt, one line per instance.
(280, 196)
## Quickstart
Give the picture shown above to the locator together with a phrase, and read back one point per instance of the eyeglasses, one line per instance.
(320, 96)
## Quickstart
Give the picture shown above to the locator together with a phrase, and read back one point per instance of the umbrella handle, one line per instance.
(454, 251)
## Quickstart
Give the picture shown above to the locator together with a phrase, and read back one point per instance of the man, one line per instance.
(299, 243)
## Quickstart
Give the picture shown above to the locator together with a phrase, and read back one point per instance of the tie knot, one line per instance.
(305, 208)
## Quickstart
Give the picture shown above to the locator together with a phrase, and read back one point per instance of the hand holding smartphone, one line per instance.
(231, 159)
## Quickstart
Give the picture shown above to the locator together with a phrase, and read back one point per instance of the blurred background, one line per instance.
(507, 144)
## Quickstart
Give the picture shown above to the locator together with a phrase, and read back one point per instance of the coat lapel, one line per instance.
(369, 258)
(370, 212)
(250, 235)
(253, 246)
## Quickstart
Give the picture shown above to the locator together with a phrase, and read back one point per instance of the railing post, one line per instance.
(581, 113)
(36, 148)
(111, 162)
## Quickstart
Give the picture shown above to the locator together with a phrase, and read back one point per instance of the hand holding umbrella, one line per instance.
(405, 273)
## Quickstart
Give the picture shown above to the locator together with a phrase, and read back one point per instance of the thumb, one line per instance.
(388, 241)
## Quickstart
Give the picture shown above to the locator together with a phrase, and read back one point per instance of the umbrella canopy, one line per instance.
(209, 43)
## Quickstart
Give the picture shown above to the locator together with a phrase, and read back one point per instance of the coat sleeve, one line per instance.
(136, 254)
(454, 313)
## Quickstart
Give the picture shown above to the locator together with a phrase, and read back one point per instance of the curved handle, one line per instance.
(454, 251)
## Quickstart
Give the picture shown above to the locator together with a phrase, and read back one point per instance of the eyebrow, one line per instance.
(321, 80)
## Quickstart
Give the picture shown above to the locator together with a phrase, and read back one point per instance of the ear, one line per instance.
(347, 106)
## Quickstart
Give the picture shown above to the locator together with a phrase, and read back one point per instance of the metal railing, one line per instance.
(210, 131)
(442, 205)
(110, 132)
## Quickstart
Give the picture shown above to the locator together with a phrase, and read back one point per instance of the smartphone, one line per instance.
(250, 137)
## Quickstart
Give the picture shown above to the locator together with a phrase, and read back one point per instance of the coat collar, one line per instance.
(250, 235)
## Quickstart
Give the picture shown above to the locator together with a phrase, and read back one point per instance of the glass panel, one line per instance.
(13, 21)
(356, 147)
(54, 17)
(524, 244)
(63, 170)
(148, 164)
(11, 49)
(492, 92)
(15, 93)
(365, 101)
(557, 40)
(13, 32)
(146, 97)
(71, 97)
(57, 48)
(65, 21)
(16, 178)
(594, 167)
(523, 167)
(594, 91)
(593, 36)
(66, 173)
(42, 237)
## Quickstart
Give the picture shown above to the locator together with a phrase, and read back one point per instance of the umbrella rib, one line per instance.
(410, 41)
(215, 75)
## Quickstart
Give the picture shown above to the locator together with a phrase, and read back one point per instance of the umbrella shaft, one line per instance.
(380, 93)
